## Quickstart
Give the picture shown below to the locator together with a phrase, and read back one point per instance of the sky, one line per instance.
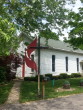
(75, 9)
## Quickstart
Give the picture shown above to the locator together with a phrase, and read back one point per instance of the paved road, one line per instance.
(74, 102)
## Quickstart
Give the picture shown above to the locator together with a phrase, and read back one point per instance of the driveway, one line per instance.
(74, 102)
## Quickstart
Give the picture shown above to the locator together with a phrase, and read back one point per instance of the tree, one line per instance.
(76, 32)
(8, 39)
(9, 65)
(8, 36)
(30, 14)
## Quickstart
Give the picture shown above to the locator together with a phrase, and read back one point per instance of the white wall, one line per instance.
(28, 71)
(60, 66)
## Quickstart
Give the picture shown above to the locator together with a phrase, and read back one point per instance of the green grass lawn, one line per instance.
(4, 91)
(29, 89)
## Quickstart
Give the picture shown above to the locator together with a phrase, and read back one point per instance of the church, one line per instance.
(58, 58)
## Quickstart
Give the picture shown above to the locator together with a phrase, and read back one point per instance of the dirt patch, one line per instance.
(62, 90)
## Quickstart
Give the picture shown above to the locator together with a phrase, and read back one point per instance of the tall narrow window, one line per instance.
(53, 63)
(32, 57)
(66, 60)
(77, 64)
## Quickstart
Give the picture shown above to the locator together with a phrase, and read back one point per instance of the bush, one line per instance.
(49, 75)
(75, 75)
(29, 78)
(8, 75)
(63, 76)
(81, 82)
(41, 78)
(66, 85)
(67, 82)
(56, 77)
(33, 78)
(2, 74)
(69, 76)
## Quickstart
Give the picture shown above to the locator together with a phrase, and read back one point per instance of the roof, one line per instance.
(60, 46)
(54, 44)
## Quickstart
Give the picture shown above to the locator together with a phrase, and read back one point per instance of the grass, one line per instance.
(29, 89)
(4, 91)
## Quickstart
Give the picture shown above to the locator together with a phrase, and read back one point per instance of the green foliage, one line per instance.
(76, 42)
(76, 32)
(4, 91)
(2, 74)
(8, 39)
(76, 23)
(33, 78)
(74, 75)
(81, 81)
(56, 77)
(28, 91)
(66, 82)
(41, 77)
(66, 85)
(36, 15)
(63, 76)
(48, 34)
(30, 16)
(29, 78)
(50, 92)
(49, 75)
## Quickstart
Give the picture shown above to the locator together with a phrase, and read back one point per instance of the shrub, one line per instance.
(49, 75)
(56, 77)
(2, 74)
(33, 78)
(26, 78)
(29, 78)
(8, 75)
(66, 85)
(74, 75)
(66, 82)
(81, 82)
(63, 76)
(69, 76)
(41, 78)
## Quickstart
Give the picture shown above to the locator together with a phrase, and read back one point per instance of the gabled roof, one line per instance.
(53, 44)
(60, 46)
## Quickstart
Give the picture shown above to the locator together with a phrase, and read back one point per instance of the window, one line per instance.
(32, 57)
(53, 63)
(77, 64)
(66, 60)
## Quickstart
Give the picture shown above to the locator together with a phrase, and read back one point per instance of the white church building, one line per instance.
(60, 57)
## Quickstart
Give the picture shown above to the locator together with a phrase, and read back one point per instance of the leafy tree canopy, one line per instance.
(76, 32)
(31, 16)
(8, 39)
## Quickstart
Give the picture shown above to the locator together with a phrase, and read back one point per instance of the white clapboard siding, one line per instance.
(60, 65)
(46, 61)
